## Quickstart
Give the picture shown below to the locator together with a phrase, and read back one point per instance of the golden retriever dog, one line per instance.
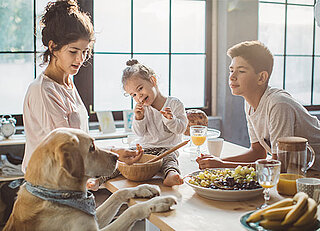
(54, 196)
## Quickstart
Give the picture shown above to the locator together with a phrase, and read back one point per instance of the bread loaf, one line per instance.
(195, 117)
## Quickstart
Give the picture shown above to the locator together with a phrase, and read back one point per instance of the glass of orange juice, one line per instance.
(268, 172)
(198, 135)
(287, 183)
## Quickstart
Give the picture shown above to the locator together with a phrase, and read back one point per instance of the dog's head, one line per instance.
(68, 153)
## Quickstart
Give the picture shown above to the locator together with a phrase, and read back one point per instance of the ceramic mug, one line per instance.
(310, 186)
(215, 146)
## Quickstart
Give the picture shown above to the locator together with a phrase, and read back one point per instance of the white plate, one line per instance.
(223, 195)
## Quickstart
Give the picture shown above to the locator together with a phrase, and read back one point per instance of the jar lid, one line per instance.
(292, 143)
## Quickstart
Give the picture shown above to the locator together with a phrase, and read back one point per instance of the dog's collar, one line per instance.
(76, 199)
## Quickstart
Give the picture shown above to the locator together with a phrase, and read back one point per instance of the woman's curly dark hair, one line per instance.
(64, 23)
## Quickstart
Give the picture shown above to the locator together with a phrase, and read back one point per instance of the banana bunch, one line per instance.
(297, 213)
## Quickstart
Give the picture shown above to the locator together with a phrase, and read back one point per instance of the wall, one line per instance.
(237, 21)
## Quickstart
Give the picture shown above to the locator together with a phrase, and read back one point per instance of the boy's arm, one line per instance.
(255, 152)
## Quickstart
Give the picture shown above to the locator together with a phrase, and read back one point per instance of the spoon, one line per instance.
(168, 152)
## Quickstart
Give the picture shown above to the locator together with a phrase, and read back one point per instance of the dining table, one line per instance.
(192, 211)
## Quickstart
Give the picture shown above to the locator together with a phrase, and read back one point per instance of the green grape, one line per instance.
(237, 170)
(201, 175)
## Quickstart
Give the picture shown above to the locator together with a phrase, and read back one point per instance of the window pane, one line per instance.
(271, 26)
(16, 75)
(281, 1)
(309, 2)
(151, 26)
(276, 79)
(300, 30)
(108, 91)
(40, 6)
(16, 22)
(160, 65)
(316, 83)
(112, 24)
(188, 26)
(317, 41)
(188, 78)
(298, 78)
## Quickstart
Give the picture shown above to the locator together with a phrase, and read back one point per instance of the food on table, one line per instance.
(299, 209)
(257, 215)
(241, 178)
(299, 213)
(195, 117)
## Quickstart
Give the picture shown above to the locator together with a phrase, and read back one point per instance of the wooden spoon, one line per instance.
(168, 152)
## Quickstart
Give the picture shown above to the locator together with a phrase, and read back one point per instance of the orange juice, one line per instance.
(266, 185)
(198, 140)
(287, 184)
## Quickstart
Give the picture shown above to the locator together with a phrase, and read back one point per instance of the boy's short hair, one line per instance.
(255, 53)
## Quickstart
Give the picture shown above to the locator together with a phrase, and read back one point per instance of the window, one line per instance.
(168, 36)
(288, 28)
(19, 52)
(173, 37)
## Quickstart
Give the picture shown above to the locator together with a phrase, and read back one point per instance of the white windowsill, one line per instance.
(21, 139)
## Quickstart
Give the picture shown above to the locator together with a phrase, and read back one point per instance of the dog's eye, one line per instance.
(92, 148)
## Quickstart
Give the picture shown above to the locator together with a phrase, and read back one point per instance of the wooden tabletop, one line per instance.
(194, 212)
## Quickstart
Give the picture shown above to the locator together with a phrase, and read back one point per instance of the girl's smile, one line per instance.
(141, 90)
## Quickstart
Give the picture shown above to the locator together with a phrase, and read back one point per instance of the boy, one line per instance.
(271, 113)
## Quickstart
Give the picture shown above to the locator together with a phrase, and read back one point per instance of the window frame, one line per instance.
(84, 80)
(284, 55)
(85, 76)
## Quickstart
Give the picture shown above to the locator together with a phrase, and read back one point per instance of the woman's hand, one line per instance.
(93, 184)
(139, 111)
(129, 156)
(167, 113)
(209, 161)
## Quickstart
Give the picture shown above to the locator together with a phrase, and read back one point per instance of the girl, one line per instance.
(159, 121)
(52, 99)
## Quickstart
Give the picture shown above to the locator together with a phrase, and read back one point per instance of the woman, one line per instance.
(52, 99)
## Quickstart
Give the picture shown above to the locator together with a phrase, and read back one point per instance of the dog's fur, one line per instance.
(64, 160)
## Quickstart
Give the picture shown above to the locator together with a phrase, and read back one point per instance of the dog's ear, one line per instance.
(71, 159)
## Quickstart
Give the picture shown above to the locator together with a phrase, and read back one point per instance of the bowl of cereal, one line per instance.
(225, 184)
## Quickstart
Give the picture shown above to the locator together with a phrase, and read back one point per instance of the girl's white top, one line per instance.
(154, 130)
(49, 105)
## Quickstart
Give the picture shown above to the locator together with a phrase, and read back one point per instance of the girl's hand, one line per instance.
(208, 161)
(167, 113)
(139, 111)
(129, 156)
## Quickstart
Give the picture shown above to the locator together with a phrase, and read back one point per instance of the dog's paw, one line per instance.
(161, 204)
(146, 191)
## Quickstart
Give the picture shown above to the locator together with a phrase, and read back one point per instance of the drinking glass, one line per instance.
(268, 172)
(198, 135)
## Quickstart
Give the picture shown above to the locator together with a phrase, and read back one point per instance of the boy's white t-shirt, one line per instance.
(49, 105)
(154, 130)
(278, 115)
